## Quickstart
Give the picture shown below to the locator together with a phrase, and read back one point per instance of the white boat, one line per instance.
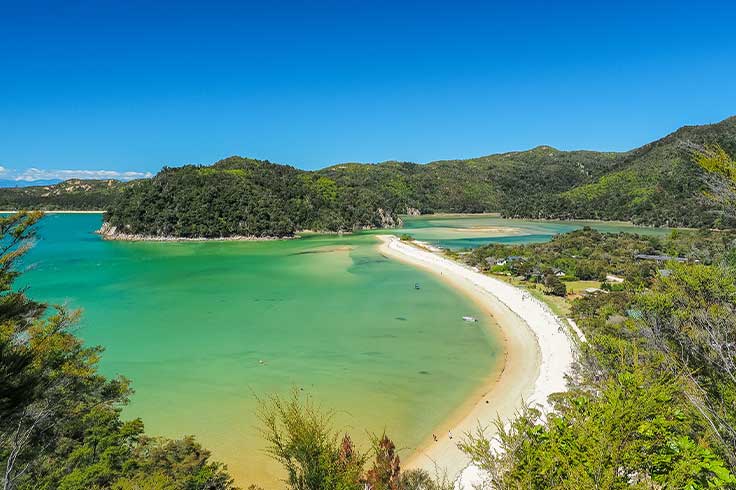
(470, 319)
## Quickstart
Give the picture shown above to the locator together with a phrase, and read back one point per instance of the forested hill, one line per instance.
(657, 184)
(72, 194)
(244, 197)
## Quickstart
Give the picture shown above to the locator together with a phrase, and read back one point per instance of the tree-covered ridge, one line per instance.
(243, 197)
(652, 398)
(72, 194)
(657, 184)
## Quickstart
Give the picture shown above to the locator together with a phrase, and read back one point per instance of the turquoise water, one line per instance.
(190, 323)
(203, 329)
(469, 231)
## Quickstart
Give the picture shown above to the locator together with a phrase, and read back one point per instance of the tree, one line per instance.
(631, 433)
(554, 285)
(60, 425)
(720, 177)
(300, 437)
(691, 317)
(386, 471)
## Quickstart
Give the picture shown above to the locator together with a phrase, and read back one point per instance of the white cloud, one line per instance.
(31, 174)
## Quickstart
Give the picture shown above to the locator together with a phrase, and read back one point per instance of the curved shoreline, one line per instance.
(537, 355)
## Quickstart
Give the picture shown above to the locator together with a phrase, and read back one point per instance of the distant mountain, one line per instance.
(657, 184)
(27, 183)
(73, 194)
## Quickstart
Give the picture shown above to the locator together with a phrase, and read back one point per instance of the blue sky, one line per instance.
(129, 87)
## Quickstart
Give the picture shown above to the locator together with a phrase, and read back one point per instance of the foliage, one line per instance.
(691, 316)
(720, 177)
(240, 196)
(554, 285)
(299, 436)
(60, 425)
(587, 254)
(630, 433)
(73, 194)
(652, 397)
(657, 184)
(315, 457)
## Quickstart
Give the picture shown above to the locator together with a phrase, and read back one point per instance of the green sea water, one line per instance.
(468, 231)
(203, 329)
(190, 323)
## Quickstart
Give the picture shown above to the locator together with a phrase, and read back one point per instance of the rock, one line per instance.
(388, 219)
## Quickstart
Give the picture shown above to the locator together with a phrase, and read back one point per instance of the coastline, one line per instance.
(543, 220)
(123, 237)
(111, 233)
(537, 355)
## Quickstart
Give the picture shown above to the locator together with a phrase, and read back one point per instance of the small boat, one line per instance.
(470, 319)
(416, 285)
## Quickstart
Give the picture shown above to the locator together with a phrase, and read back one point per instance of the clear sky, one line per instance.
(128, 86)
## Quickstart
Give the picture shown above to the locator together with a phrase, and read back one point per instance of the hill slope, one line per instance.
(73, 194)
(656, 184)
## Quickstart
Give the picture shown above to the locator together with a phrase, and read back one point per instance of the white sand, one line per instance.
(538, 353)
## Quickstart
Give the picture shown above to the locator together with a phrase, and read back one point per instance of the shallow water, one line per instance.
(190, 323)
(468, 231)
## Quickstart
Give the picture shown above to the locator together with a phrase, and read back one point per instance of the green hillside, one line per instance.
(657, 184)
(73, 194)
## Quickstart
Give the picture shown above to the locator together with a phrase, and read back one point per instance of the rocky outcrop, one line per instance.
(388, 219)
(413, 211)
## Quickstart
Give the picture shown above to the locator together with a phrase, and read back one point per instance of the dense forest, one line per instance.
(657, 184)
(241, 196)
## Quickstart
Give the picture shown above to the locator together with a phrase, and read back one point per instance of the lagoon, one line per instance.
(203, 329)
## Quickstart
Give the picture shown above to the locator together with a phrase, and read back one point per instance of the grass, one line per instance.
(579, 286)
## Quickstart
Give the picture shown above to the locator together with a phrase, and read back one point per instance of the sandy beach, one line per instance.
(537, 354)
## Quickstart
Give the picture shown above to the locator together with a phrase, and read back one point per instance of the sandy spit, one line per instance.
(537, 353)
